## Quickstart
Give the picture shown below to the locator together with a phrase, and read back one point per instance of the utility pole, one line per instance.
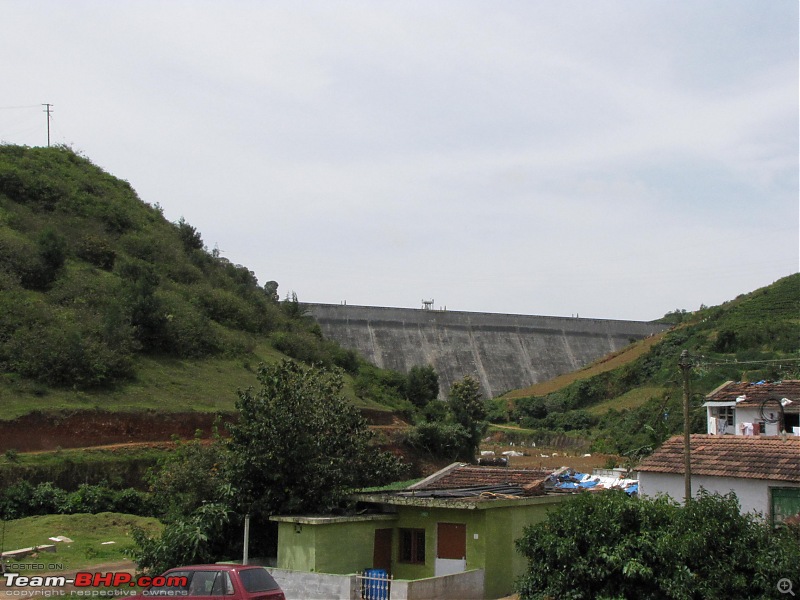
(48, 110)
(685, 364)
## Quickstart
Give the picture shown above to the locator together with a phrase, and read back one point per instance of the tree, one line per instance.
(607, 545)
(298, 445)
(190, 237)
(198, 539)
(469, 411)
(422, 386)
(191, 475)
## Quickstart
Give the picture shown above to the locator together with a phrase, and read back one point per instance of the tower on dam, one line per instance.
(502, 351)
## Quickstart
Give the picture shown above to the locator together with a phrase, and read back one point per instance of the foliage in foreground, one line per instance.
(608, 545)
(297, 447)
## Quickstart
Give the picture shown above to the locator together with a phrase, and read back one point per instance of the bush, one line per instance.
(97, 251)
(607, 545)
(23, 499)
(445, 440)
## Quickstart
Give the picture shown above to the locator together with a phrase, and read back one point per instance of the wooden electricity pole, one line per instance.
(685, 363)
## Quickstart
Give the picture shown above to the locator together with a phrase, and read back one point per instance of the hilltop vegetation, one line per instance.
(102, 298)
(633, 407)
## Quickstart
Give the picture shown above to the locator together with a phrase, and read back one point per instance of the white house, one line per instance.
(764, 472)
(763, 408)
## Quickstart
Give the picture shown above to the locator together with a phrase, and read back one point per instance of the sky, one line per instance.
(606, 159)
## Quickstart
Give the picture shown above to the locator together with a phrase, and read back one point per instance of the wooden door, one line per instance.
(382, 550)
(451, 548)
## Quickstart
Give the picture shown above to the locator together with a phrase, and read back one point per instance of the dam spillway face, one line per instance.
(503, 352)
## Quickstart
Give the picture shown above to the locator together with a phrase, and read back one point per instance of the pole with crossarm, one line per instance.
(685, 365)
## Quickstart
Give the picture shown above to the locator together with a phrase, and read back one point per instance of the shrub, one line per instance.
(97, 251)
(445, 440)
(607, 545)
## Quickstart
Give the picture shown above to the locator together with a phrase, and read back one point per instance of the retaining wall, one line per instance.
(503, 351)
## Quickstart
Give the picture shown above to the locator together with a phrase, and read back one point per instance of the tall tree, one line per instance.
(298, 445)
(469, 411)
(423, 385)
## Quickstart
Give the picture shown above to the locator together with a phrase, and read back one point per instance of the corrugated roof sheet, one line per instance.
(746, 457)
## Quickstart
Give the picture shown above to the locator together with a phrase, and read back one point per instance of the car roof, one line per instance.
(216, 567)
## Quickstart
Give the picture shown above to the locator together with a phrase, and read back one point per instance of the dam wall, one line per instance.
(502, 351)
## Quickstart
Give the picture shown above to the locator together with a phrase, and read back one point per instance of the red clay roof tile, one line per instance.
(746, 457)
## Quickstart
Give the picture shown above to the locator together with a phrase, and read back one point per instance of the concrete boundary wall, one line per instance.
(300, 585)
(503, 351)
(468, 585)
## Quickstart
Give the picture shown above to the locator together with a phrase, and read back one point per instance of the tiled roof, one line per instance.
(756, 393)
(738, 456)
(463, 477)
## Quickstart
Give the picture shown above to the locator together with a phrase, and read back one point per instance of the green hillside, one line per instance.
(632, 407)
(104, 303)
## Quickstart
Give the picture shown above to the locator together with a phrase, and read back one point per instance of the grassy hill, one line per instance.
(106, 304)
(631, 401)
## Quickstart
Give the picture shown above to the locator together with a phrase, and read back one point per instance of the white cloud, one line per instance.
(615, 159)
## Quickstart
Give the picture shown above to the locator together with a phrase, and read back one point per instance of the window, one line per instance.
(726, 414)
(784, 504)
(257, 580)
(412, 546)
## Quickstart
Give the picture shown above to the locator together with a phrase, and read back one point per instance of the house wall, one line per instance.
(327, 548)
(503, 526)
(746, 414)
(753, 494)
(347, 547)
(427, 519)
(296, 549)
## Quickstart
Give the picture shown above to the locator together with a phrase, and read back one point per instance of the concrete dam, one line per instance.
(502, 351)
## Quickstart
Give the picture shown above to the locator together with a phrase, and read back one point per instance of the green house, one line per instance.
(459, 520)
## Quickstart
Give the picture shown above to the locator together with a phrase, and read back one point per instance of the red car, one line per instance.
(233, 582)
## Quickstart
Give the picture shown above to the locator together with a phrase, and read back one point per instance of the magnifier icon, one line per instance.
(785, 586)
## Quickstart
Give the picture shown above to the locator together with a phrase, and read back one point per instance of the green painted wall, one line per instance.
(336, 548)
(296, 551)
(503, 563)
(347, 546)
(427, 519)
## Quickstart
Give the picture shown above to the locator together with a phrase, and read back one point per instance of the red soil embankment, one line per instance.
(87, 428)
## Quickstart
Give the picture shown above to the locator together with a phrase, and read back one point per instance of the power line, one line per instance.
(749, 362)
(19, 107)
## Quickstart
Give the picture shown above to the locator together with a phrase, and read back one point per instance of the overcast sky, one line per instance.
(601, 158)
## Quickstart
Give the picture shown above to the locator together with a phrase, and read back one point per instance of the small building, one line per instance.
(754, 408)
(764, 472)
(455, 530)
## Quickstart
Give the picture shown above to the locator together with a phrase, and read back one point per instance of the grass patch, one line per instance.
(391, 487)
(87, 532)
(607, 363)
(163, 384)
(632, 399)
